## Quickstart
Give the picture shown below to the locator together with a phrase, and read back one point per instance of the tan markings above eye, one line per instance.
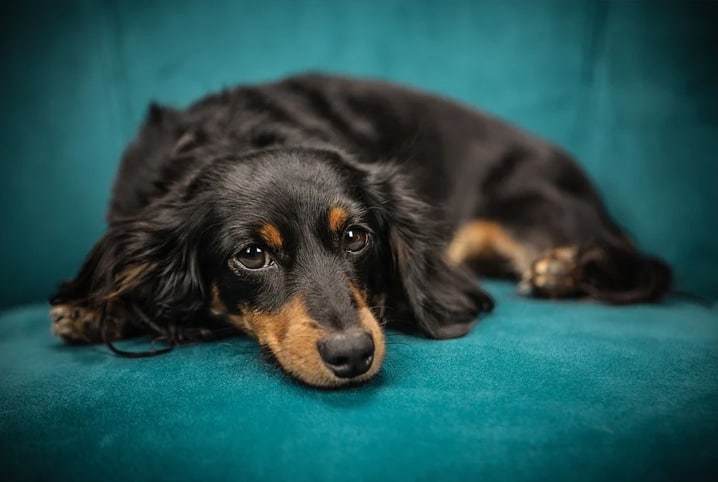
(271, 235)
(336, 219)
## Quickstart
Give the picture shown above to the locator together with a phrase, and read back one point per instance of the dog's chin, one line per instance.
(326, 379)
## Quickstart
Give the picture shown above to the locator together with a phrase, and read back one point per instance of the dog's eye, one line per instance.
(253, 257)
(355, 239)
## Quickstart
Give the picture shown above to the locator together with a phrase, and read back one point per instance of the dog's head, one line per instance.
(303, 249)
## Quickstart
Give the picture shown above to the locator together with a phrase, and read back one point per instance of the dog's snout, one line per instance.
(347, 354)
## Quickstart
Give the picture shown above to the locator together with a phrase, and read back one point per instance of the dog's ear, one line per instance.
(147, 265)
(442, 299)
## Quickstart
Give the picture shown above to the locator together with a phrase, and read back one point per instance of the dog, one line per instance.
(311, 211)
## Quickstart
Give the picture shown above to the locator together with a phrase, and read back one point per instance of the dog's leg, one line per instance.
(610, 270)
(537, 209)
(552, 273)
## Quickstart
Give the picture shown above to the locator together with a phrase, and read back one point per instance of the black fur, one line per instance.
(410, 167)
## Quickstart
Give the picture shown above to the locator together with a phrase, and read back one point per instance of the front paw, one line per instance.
(81, 325)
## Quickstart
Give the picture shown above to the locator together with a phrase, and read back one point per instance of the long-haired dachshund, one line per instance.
(309, 211)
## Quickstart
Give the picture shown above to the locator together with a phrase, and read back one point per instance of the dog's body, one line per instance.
(304, 211)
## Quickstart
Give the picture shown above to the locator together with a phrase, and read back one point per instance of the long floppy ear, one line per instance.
(145, 269)
(442, 299)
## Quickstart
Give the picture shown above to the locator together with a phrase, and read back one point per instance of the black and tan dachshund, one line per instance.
(310, 211)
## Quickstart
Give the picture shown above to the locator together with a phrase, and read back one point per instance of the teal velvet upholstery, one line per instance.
(538, 391)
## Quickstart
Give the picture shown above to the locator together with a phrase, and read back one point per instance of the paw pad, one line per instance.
(554, 275)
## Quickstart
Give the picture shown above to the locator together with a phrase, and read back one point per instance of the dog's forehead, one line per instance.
(286, 188)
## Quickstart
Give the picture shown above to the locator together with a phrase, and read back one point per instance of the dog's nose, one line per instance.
(347, 354)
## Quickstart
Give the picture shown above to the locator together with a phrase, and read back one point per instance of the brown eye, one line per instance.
(355, 239)
(253, 257)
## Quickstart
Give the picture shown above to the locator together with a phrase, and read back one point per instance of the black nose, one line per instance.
(347, 354)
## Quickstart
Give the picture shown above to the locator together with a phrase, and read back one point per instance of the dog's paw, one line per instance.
(78, 325)
(556, 274)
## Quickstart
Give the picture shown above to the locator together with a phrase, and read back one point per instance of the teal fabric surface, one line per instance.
(538, 391)
(629, 87)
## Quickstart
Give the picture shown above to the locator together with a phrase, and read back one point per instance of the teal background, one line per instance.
(539, 391)
(628, 87)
